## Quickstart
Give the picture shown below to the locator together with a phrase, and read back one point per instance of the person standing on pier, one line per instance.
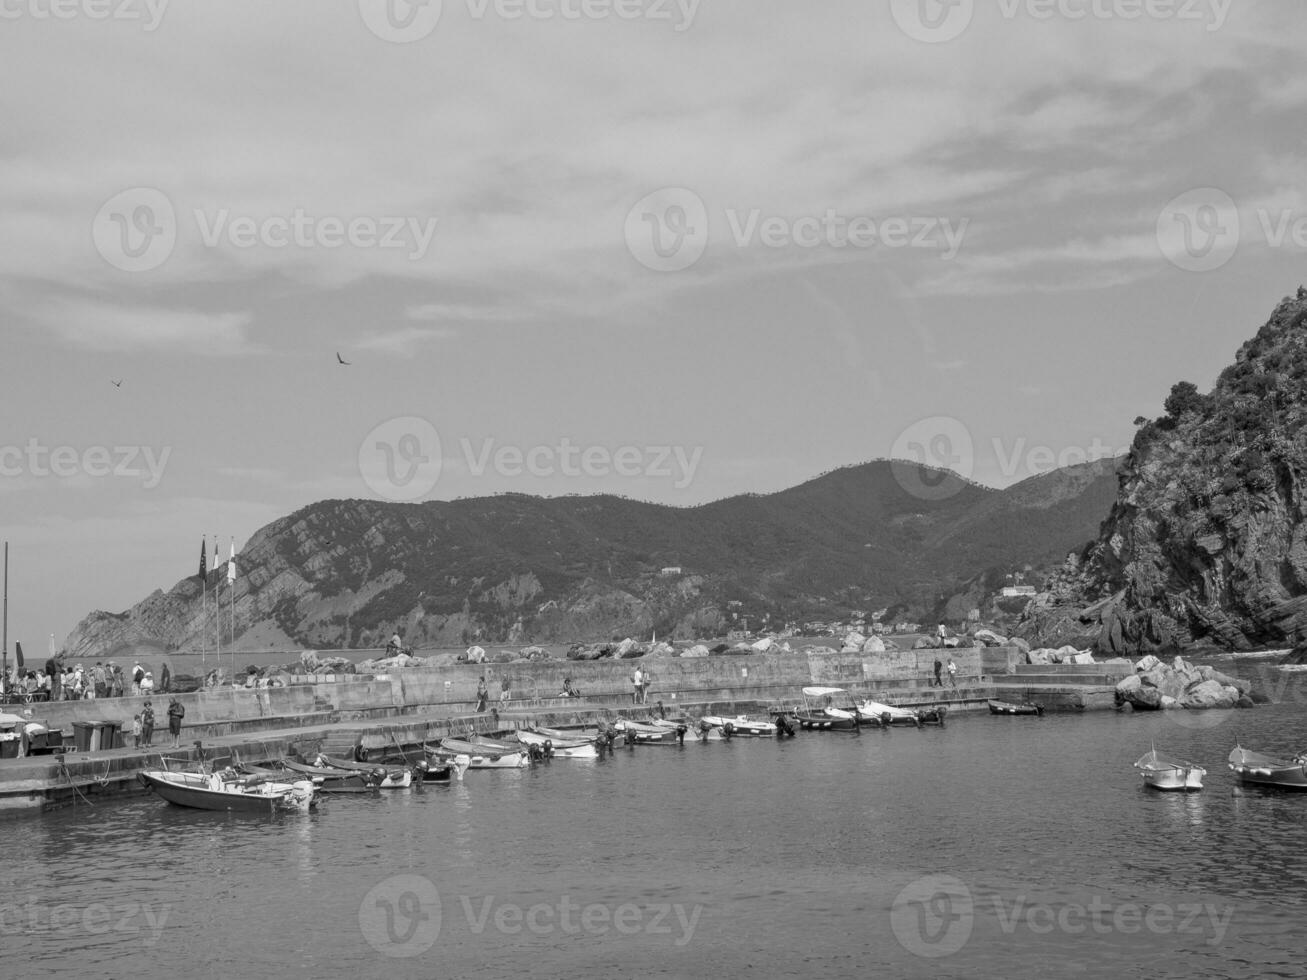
(482, 694)
(147, 725)
(952, 672)
(138, 675)
(175, 714)
(637, 685)
(938, 667)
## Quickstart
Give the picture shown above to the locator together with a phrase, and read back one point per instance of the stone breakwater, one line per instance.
(1157, 686)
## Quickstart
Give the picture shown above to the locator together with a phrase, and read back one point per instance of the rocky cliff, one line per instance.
(1206, 542)
(517, 569)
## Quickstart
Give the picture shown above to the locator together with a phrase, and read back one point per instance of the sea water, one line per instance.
(996, 847)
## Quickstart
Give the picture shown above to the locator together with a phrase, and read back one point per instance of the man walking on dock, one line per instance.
(952, 672)
(938, 667)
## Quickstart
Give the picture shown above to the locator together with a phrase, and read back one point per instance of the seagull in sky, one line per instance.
(341, 359)
(116, 384)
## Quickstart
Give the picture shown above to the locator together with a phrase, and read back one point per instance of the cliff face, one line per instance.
(517, 569)
(1206, 541)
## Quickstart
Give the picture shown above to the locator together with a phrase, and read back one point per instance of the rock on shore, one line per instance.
(1156, 685)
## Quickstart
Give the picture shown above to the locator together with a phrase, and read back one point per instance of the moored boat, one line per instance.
(1013, 708)
(229, 791)
(741, 726)
(478, 756)
(1259, 769)
(332, 780)
(819, 712)
(876, 713)
(396, 777)
(560, 748)
(1165, 772)
(640, 733)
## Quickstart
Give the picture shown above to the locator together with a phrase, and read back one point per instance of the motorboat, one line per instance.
(581, 748)
(741, 726)
(478, 756)
(1265, 770)
(820, 713)
(229, 790)
(876, 713)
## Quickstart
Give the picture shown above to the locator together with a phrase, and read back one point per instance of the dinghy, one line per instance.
(1165, 772)
(819, 712)
(229, 791)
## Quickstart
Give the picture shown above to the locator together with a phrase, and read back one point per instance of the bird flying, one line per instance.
(341, 359)
(116, 384)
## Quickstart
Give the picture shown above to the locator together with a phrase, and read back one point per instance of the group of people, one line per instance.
(641, 681)
(62, 682)
(952, 673)
(143, 724)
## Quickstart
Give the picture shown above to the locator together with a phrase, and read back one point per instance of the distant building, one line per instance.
(671, 570)
(1016, 591)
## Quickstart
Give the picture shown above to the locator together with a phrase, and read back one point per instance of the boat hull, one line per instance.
(397, 777)
(560, 748)
(215, 794)
(1008, 708)
(742, 726)
(478, 756)
(1183, 780)
(822, 722)
(1255, 769)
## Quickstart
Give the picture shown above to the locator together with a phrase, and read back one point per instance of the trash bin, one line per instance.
(112, 735)
(82, 732)
(9, 748)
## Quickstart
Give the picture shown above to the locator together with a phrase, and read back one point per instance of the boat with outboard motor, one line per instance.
(561, 748)
(229, 791)
(396, 777)
(875, 713)
(1259, 769)
(741, 726)
(819, 712)
(479, 756)
(658, 732)
(329, 779)
(1166, 772)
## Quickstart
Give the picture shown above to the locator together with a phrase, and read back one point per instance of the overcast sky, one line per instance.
(670, 250)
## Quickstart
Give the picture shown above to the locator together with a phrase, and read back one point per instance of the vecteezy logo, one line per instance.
(933, 916)
(932, 459)
(400, 459)
(401, 916)
(400, 21)
(667, 231)
(1198, 231)
(932, 21)
(135, 230)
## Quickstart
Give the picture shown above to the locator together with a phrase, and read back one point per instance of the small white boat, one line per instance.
(886, 714)
(741, 726)
(478, 756)
(580, 748)
(1164, 772)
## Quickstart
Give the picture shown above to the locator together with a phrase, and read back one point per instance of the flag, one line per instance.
(231, 563)
(204, 562)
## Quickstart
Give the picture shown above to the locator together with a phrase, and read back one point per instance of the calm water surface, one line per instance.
(998, 847)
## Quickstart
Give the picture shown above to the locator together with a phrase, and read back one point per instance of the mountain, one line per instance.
(515, 568)
(1206, 542)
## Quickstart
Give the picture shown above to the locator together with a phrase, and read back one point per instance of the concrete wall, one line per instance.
(754, 677)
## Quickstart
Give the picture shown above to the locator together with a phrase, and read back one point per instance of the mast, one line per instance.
(4, 642)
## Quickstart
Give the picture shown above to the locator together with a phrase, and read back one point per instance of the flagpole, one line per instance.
(204, 607)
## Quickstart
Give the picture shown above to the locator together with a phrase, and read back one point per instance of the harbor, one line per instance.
(400, 711)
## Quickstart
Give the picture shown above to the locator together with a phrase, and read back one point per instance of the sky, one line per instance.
(668, 249)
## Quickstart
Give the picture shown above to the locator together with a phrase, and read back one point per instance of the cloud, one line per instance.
(104, 327)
